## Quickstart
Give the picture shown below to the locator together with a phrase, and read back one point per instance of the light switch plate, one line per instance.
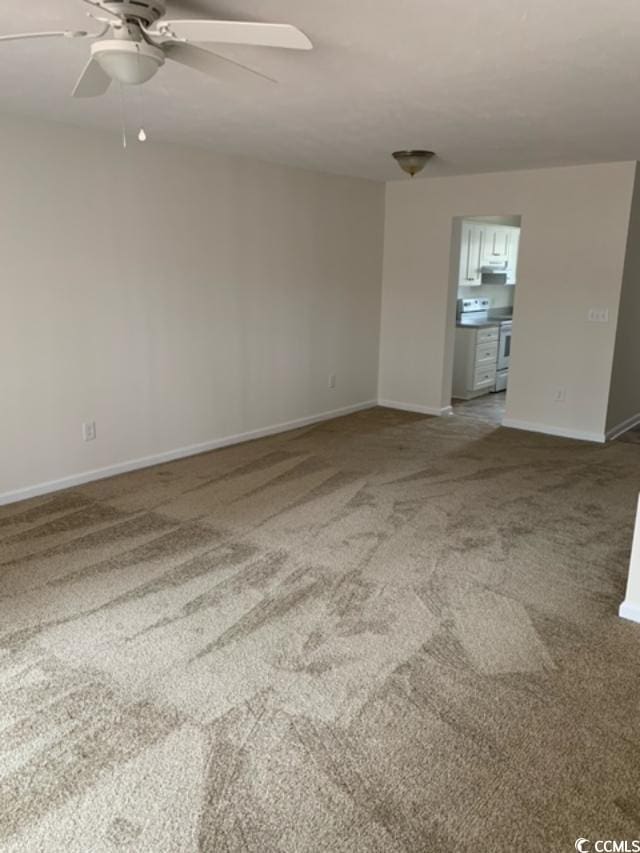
(89, 431)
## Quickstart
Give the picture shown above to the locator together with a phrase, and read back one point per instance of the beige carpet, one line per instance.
(384, 633)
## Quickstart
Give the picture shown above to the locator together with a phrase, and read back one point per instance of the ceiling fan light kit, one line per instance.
(128, 62)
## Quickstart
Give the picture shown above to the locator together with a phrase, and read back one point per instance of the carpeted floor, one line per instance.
(490, 407)
(384, 633)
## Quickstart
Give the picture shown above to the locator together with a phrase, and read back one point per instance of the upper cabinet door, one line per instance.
(497, 245)
(471, 254)
(512, 260)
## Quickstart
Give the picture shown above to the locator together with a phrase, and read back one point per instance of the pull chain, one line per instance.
(142, 134)
(122, 117)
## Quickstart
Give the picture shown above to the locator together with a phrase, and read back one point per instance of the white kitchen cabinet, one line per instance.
(471, 252)
(501, 243)
(475, 361)
(512, 260)
(484, 245)
(497, 240)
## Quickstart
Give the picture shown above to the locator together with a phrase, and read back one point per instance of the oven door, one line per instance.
(504, 348)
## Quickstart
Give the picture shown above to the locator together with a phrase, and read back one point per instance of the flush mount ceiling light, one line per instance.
(412, 162)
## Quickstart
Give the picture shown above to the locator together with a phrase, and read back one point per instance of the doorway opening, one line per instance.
(483, 286)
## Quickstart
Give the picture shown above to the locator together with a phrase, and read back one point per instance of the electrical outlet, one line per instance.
(332, 381)
(89, 431)
(559, 395)
(598, 315)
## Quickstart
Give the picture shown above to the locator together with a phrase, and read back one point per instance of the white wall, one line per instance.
(624, 396)
(174, 296)
(574, 227)
(630, 607)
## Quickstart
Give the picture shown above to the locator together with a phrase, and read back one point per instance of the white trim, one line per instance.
(179, 453)
(597, 437)
(629, 611)
(412, 407)
(625, 426)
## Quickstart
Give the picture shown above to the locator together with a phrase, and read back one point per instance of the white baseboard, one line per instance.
(629, 611)
(412, 407)
(179, 453)
(623, 427)
(597, 437)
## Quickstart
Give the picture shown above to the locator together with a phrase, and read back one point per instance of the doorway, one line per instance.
(483, 286)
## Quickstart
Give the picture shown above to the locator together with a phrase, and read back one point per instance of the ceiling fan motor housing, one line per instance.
(146, 11)
(128, 62)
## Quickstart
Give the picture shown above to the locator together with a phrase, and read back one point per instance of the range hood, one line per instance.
(494, 275)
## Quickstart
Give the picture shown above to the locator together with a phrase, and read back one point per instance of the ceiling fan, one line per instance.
(136, 40)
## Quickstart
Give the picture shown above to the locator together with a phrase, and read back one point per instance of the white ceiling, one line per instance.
(491, 85)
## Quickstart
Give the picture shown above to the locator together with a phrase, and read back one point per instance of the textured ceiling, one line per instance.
(496, 85)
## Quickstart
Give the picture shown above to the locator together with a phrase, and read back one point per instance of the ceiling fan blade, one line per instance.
(93, 81)
(236, 32)
(68, 34)
(102, 7)
(212, 64)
